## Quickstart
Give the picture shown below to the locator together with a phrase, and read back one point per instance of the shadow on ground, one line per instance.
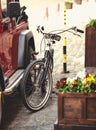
(12, 105)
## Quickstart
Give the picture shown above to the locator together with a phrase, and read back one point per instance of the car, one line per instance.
(17, 47)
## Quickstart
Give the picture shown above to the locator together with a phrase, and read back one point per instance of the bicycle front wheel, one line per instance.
(34, 97)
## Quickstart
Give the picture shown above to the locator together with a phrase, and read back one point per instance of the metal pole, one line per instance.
(64, 15)
(65, 55)
(65, 47)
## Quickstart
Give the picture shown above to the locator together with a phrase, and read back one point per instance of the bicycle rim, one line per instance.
(33, 96)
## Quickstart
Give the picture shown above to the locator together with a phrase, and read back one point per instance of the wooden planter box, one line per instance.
(78, 1)
(76, 111)
(69, 5)
(90, 47)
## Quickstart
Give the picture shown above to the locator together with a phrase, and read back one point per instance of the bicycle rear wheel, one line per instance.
(34, 97)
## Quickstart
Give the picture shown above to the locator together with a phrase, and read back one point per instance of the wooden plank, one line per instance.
(77, 109)
(90, 47)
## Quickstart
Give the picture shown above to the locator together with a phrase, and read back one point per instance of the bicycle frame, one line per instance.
(48, 63)
(49, 52)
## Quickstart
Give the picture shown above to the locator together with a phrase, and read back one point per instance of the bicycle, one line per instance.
(37, 82)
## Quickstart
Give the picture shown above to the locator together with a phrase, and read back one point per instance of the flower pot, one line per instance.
(76, 111)
(78, 1)
(90, 47)
(69, 5)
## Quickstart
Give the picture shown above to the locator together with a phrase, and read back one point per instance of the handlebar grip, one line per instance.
(79, 30)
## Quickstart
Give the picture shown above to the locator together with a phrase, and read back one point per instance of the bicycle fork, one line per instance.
(41, 78)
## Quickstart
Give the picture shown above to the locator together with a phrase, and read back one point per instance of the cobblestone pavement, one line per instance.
(16, 116)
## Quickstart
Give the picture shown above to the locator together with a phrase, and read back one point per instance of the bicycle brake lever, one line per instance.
(78, 35)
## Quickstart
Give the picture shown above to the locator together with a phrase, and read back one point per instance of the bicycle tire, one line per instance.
(33, 98)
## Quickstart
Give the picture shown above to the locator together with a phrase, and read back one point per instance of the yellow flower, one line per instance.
(90, 78)
(85, 80)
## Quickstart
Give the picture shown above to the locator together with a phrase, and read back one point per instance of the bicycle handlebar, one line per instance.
(55, 36)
